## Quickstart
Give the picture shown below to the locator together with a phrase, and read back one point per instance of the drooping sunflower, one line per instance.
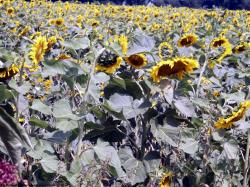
(175, 67)
(7, 73)
(165, 50)
(136, 60)
(166, 179)
(38, 50)
(226, 123)
(108, 62)
(187, 40)
(241, 48)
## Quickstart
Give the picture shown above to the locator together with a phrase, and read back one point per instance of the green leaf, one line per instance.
(185, 107)
(135, 170)
(62, 109)
(118, 82)
(166, 134)
(62, 67)
(40, 107)
(77, 43)
(23, 89)
(38, 123)
(91, 125)
(112, 111)
(50, 164)
(190, 146)
(66, 125)
(231, 149)
(5, 93)
(109, 154)
(141, 43)
(12, 135)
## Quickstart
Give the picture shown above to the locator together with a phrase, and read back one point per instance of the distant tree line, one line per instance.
(228, 4)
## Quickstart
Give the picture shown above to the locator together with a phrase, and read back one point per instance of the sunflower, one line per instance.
(10, 11)
(224, 43)
(108, 62)
(218, 42)
(6, 73)
(226, 123)
(165, 50)
(136, 60)
(187, 40)
(166, 179)
(123, 41)
(241, 48)
(25, 31)
(38, 50)
(175, 67)
(51, 41)
(57, 22)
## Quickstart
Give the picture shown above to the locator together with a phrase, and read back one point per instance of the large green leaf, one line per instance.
(4, 93)
(62, 109)
(66, 124)
(109, 154)
(63, 67)
(13, 136)
(77, 43)
(39, 106)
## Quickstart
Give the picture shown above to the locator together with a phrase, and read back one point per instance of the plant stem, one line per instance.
(144, 137)
(246, 164)
(79, 145)
(201, 74)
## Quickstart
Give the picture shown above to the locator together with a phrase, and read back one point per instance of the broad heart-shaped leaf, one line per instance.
(23, 89)
(50, 164)
(66, 124)
(12, 136)
(231, 149)
(185, 107)
(4, 93)
(190, 146)
(126, 104)
(55, 67)
(9, 124)
(39, 106)
(62, 109)
(135, 170)
(234, 97)
(166, 134)
(112, 111)
(77, 43)
(141, 43)
(109, 154)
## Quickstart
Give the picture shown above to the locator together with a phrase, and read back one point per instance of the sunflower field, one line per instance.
(106, 95)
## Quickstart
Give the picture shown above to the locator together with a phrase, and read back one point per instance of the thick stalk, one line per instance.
(144, 137)
(201, 74)
(246, 164)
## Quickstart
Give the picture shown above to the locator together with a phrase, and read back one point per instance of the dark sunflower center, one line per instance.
(186, 41)
(107, 59)
(136, 60)
(165, 51)
(218, 43)
(241, 48)
(166, 70)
